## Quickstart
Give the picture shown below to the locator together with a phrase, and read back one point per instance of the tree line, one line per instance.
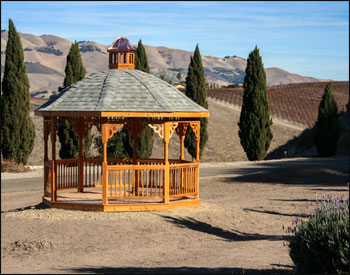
(18, 132)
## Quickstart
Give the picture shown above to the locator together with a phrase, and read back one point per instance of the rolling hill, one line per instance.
(45, 59)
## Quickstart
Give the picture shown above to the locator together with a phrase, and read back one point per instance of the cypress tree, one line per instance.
(69, 140)
(327, 130)
(195, 89)
(254, 123)
(141, 59)
(115, 145)
(17, 128)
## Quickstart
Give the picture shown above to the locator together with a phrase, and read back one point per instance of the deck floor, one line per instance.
(94, 196)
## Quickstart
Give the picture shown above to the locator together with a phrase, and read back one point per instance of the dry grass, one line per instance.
(293, 102)
(13, 167)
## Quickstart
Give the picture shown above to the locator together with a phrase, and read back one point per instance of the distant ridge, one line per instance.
(45, 58)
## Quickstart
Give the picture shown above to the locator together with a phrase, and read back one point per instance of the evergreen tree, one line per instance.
(69, 140)
(115, 145)
(145, 138)
(141, 60)
(17, 128)
(179, 76)
(327, 130)
(254, 123)
(195, 89)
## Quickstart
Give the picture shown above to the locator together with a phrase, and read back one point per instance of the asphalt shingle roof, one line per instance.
(122, 91)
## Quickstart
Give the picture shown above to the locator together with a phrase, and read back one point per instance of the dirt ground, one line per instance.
(237, 229)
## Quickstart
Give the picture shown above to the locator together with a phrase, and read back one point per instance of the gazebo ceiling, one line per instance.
(122, 91)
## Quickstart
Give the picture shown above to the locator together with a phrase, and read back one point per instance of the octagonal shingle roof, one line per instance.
(121, 91)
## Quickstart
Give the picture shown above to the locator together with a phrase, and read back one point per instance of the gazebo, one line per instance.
(117, 98)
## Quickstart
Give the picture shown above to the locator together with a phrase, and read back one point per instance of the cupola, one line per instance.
(121, 54)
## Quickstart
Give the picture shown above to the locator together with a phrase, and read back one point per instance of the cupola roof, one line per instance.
(121, 44)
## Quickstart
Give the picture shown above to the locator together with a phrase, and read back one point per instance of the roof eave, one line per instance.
(120, 114)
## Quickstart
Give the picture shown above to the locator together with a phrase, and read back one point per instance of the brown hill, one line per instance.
(292, 102)
(48, 53)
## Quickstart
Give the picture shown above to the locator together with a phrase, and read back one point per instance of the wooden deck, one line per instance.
(91, 200)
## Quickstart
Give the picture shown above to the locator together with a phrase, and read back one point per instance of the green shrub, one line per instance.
(321, 245)
(50, 50)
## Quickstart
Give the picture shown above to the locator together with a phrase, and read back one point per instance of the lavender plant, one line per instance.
(321, 244)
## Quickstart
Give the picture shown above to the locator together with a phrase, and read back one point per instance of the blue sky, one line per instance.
(307, 38)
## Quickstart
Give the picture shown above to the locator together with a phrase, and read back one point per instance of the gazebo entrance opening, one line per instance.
(128, 184)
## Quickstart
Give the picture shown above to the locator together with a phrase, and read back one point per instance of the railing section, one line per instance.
(92, 172)
(183, 179)
(126, 180)
(67, 173)
(93, 169)
(135, 181)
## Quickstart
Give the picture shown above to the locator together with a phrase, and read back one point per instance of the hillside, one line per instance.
(292, 102)
(45, 58)
(223, 144)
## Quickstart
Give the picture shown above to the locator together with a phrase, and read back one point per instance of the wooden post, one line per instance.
(104, 164)
(46, 137)
(46, 152)
(135, 132)
(53, 160)
(134, 138)
(197, 149)
(198, 138)
(182, 134)
(166, 162)
(81, 130)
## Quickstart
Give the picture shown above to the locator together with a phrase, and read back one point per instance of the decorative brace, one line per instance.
(158, 128)
(182, 129)
(112, 129)
(89, 122)
(47, 129)
(196, 129)
(172, 128)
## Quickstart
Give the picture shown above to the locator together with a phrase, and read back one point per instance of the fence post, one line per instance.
(104, 164)
(166, 162)
(53, 161)
(81, 156)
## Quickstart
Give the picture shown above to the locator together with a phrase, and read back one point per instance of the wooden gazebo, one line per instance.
(121, 97)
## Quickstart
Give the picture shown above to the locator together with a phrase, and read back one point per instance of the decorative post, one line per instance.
(46, 138)
(166, 162)
(197, 149)
(196, 127)
(135, 132)
(134, 139)
(81, 130)
(46, 130)
(104, 164)
(181, 131)
(53, 159)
